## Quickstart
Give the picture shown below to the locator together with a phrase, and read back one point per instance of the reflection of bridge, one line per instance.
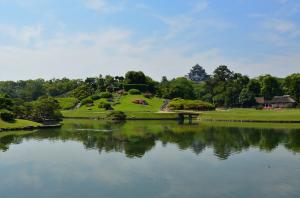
(190, 115)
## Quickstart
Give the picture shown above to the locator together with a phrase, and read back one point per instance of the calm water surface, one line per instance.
(150, 159)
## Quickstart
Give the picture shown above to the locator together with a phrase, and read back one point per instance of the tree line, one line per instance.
(223, 88)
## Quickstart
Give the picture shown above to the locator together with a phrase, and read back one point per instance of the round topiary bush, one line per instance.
(134, 92)
(105, 105)
(7, 116)
(116, 115)
(95, 97)
(87, 101)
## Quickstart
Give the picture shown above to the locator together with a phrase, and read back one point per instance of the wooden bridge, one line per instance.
(190, 115)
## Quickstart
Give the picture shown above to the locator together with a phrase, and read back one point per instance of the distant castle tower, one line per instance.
(197, 74)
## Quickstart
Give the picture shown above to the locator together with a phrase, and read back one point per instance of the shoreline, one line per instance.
(253, 121)
(28, 128)
(205, 120)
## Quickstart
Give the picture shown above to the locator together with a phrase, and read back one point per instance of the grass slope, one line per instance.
(67, 103)
(126, 104)
(17, 124)
(132, 110)
(253, 114)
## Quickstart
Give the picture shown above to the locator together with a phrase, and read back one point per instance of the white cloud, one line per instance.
(24, 35)
(278, 32)
(280, 26)
(111, 52)
(200, 6)
(103, 6)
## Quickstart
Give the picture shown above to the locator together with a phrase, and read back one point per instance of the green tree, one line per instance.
(270, 86)
(254, 87)
(292, 86)
(247, 98)
(5, 102)
(46, 108)
(222, 73)
(134, 77)
(179, 88)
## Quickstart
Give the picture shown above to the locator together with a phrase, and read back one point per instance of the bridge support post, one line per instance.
(190, 119)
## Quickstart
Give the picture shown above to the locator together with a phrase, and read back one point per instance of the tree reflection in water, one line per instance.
(138, 137)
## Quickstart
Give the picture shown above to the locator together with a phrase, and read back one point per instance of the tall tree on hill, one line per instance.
(222, 73)
(133, 77)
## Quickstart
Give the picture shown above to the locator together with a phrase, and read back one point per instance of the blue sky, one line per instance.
(80, 38)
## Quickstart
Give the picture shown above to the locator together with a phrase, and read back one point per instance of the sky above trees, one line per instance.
(80, 38)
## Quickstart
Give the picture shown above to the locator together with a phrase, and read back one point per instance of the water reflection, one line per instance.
(135, 139)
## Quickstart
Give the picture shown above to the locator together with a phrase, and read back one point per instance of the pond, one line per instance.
(88, 158)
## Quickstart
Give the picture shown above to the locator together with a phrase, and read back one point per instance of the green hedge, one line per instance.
(195, 105)
(105, 95)
(7, 116)
(134, 92)
(87, 101)
(116, 115)
(105, 105)
(141, 87)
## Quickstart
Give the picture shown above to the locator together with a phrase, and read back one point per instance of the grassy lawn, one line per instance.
(81, 113)
(253, 114)
(17, 124)
(67, 103)
(94, 107)
(126, 104)
(132, 110)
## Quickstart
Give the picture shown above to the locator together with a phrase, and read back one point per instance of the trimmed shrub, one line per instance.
(87, 101)
(140, 87)
(105, 95)
(195, 105)
(134, 92)
(105, 105)
(116, 115)
(95, 97)
(7, 116)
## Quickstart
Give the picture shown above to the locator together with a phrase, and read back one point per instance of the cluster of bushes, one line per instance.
(41, 110)
(105, 105)
(90, 100)
(196, 105)
(116, 115)
(87, 101)
(7, 116)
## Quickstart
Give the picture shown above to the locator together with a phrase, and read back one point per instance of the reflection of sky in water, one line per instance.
(66, 169)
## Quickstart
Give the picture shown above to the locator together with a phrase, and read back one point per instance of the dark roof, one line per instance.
(283, 99)
(262, 100)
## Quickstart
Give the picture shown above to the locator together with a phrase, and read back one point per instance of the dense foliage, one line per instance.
(223, 88)
(116, 115)
(7, 116)
(43, 109)
(196, 105)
